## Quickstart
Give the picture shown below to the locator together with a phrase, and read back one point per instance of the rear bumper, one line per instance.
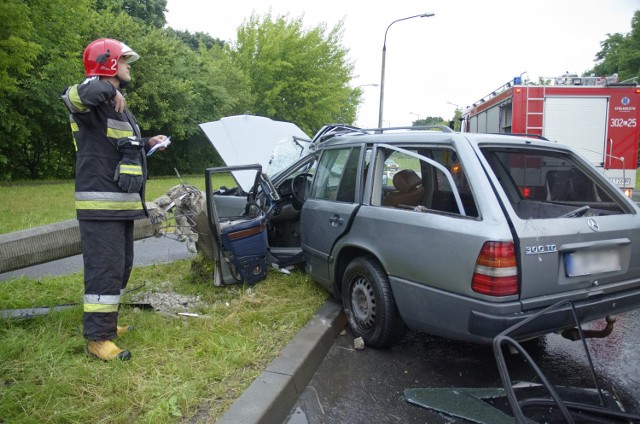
(458, 317)
(489, 325)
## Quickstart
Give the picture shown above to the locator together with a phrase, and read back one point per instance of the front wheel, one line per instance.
(369, 304)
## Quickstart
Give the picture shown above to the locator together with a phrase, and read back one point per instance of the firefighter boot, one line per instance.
(122, 329)
(107, 350)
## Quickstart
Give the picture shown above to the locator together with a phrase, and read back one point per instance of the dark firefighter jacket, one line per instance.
(96, 127)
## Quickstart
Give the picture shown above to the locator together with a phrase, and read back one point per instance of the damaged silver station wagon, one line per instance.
(454, 234)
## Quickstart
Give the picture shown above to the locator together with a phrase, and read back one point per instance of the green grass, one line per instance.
(27, 204)
(180, 365)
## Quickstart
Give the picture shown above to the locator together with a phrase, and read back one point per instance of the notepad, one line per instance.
(165, 143)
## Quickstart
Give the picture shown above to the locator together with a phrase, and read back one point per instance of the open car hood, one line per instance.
(249, 139)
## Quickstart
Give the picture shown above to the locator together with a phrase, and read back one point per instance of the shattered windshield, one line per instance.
(286, 152)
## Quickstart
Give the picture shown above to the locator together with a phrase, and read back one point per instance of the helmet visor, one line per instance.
(129, 55)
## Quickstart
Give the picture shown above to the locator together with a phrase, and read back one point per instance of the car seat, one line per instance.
(409, 189)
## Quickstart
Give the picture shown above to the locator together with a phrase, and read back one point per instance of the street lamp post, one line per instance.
(384, 56)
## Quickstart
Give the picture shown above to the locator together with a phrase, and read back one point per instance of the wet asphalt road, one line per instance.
(368, 386)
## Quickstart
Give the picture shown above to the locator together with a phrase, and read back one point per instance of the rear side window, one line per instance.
(426, 179)
(544, 184)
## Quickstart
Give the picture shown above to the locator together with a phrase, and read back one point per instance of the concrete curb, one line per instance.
(271, 396)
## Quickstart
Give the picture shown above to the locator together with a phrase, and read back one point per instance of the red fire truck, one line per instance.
(598, 116)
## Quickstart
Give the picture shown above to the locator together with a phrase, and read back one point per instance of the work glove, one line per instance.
(128, 173)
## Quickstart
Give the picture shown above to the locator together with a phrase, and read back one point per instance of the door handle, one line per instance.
(336, 221)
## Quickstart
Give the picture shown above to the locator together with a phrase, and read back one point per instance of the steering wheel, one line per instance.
(300, 188)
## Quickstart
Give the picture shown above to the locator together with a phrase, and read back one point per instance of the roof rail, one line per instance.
(530, 135)
(442, 128)
(331, 130)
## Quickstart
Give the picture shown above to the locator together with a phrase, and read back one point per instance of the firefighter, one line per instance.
(109, 187)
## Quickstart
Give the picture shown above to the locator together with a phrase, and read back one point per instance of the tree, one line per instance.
(35, 115)
(296, 75)
(17, 54)
(620, 53)
(197, 40)
(277, 69)
(149, 12)
(456, 120)
(175, 86)
(430, 120)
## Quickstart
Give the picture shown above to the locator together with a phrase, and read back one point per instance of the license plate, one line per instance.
(591, 262)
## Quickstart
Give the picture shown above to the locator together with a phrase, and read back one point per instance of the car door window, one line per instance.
(336, 177)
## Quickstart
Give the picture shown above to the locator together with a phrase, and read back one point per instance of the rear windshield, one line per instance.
(545, 184)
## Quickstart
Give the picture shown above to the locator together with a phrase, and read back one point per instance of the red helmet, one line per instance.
(101, 57)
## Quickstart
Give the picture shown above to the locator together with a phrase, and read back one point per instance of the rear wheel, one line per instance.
(369, 304)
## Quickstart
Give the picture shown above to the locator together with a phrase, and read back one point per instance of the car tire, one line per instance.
(369, 304)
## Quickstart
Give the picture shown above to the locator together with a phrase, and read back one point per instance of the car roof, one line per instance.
(410, 135)
(249, 139)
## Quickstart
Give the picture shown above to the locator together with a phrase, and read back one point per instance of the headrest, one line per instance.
(406, 180)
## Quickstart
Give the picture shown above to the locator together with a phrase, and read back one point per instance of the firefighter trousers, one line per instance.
(107, 252)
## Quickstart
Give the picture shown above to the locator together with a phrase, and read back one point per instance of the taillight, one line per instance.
(496, 272)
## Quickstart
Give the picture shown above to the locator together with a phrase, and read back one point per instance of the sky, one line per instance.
(459, 55)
